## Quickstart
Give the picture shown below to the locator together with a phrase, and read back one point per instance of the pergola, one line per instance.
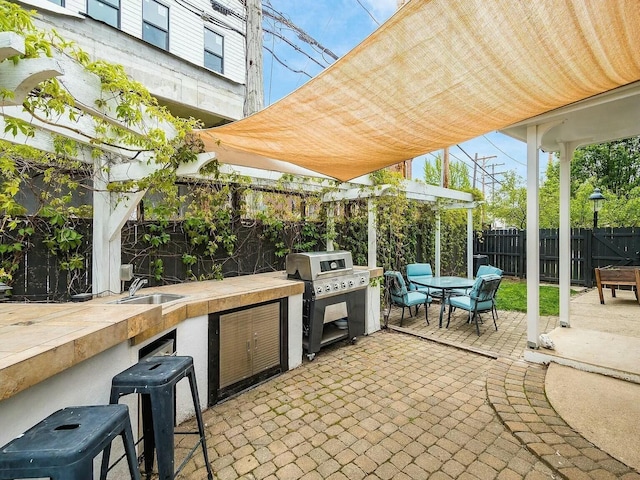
(556, 74)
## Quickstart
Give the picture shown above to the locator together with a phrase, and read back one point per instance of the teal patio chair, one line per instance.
(488, 270)
(483, 270)
(417, 272)
(480, 299)
(400, 296)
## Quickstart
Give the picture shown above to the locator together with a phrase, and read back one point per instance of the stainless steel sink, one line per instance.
(151, 299)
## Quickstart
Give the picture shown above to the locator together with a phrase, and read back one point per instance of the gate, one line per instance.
(590, 249)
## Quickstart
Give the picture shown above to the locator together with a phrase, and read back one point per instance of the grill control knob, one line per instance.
(327, 288)
(351, 283)
(336, 286)
(363, 280)
(344, 284)
(319, 289)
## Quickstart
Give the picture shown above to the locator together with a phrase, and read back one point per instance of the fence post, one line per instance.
(522, 257)
(588, 257)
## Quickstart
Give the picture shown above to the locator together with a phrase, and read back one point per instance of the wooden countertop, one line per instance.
(39, 340)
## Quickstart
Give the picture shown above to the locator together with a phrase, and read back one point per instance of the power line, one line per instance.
(368, 12)
(481, 168)
(281, 62)
(503, 152)
(270, 12)
(294, 46)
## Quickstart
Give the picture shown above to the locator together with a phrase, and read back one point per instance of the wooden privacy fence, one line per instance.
(590, 249)
(41, 276)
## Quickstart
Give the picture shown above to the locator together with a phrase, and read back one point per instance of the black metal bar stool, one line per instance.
(155, 379)
(63, 445)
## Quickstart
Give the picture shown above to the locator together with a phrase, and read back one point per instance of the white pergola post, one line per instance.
(564, 244)
(372, 234)
(438, 249)
(110, 212)
(330, 225)
(533, 237)
(469, 243)
(106, 253)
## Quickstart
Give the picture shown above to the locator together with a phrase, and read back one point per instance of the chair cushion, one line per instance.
(421, 289)
(464, 302)
(488, 270)
(418, 269)
(418, 278)
(417, 298)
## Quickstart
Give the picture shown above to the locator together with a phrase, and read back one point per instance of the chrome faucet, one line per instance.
(137, 285)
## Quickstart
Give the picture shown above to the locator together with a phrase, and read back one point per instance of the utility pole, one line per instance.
(493, 177)
(475, 169)
(445, 168)
(482, 168)
(254, 98)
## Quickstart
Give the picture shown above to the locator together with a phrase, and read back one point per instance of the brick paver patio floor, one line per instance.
(399, 406)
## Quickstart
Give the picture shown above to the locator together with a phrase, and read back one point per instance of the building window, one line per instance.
(155, 24)
(213, 51)
(58, 2)
(107, 11)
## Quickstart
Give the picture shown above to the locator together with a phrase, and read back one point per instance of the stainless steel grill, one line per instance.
(334, 298)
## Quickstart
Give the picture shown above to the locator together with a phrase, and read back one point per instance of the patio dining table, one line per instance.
(446, 285)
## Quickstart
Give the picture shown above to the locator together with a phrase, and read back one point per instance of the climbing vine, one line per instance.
(200, 225)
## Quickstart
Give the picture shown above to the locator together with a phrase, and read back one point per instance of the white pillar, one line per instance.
(533, 237)
(438, 249)
(469, 243)
(564, 242)
(372, 234)
(330, 225)
(106, 251)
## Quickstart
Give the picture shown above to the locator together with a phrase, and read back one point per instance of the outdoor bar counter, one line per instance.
(58, 355)
(39, 340)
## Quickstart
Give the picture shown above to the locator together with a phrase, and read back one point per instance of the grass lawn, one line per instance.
(512, 295)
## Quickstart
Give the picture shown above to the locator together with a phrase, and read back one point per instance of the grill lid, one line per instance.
(311, 266)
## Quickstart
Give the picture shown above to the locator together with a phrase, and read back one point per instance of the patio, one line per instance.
(397, 406)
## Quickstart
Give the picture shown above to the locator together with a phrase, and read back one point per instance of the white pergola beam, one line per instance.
(24, 76)
(11, 44)
(89, 97)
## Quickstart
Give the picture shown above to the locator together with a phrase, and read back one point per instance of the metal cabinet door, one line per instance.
(266, 337)
(235, 347)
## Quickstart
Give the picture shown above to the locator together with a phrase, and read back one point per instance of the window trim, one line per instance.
(108, 4)
(206, 50)
(157, 27)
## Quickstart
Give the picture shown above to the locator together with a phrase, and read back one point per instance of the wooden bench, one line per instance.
(617, 277)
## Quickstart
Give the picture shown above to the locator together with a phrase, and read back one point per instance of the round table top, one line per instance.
(446, 282)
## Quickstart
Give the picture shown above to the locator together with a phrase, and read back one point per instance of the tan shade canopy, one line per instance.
(438, 73)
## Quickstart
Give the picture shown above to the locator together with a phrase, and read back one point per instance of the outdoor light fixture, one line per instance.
(598, 199)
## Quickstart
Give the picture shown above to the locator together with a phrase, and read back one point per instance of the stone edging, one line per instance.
(515, 390)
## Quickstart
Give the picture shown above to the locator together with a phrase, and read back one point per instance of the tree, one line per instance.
(615, 164)
(549, 196)
(509, 202)
(458, 174)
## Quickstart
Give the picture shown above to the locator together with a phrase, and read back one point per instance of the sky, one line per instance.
(340, 25)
